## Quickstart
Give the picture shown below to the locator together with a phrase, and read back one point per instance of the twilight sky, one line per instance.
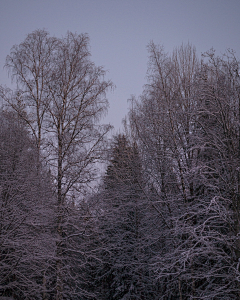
(119, 32)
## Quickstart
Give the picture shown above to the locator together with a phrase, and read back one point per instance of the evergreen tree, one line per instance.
(125, 273)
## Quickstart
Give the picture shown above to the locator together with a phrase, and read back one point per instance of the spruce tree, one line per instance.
(125, 273)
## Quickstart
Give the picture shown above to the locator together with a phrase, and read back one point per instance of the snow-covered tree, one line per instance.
(186, 127)
(125, 273)
(26, 214)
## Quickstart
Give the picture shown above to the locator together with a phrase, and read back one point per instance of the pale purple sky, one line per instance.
(119, 32)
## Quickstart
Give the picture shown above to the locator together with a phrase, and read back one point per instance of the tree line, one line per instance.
(163, 222)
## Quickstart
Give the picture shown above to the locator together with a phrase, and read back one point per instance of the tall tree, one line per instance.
(125, 273)
(62, 99)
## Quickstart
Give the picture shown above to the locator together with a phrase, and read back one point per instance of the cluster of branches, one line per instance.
(169, 203)
(186, 126)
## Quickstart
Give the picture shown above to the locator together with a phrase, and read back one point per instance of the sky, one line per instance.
(120, 31)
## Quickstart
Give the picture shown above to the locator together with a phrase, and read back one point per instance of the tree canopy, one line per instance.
(163, 222)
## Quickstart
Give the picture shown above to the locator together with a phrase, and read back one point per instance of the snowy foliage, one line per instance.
(165, 220)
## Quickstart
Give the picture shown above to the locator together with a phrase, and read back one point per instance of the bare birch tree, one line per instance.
(61, 97)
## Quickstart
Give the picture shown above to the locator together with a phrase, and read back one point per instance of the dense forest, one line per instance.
(163, 221)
